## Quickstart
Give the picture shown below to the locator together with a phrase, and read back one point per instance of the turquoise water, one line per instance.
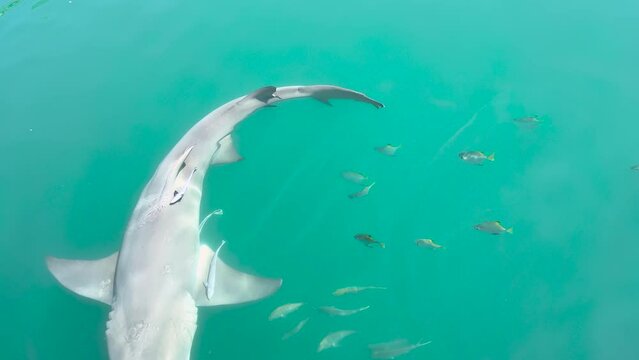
(93, 96)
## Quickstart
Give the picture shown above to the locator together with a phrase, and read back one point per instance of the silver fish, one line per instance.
(393, 349)
(493, 227)
(428, 243)
(333, 311)
(355, 177)
(295, 330)
(475, 157)
(388, 149)
(333, 339)
(528, 120)
(362, 192)
(635, 167)
(355, 290)
(284, 310)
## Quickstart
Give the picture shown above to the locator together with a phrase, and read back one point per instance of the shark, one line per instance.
(154, 283)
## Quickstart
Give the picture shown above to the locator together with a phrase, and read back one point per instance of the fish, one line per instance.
(368, 240)
(333, 311)
(355, 290)
(393, 349)
(178, 194)
(493, 227)
(635, 167)
(284, 310)
(428, 243)
(160, 266)
(355, 177)
(209, 284)
(362, 192)
(295, 330)
(218, 212)
(388, 149)
(475, 157)
(333, 339)
(528, 120)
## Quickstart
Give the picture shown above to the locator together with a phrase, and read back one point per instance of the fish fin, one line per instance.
(491, 157)
(231, 286)
(92, 279)
(262, 94)
(323, 100)
(226, 153)
(510, 231)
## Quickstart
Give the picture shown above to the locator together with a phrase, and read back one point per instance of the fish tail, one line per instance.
(382, 245)
(510, 231)
(491, 157)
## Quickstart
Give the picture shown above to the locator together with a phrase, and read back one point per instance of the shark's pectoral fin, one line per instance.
(231, 286)
(226, 153)
(89, 278)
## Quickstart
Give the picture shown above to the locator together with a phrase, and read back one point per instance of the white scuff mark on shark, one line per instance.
(209, 285)
(178, 195)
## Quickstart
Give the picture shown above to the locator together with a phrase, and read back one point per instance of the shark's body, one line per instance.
(154, 284)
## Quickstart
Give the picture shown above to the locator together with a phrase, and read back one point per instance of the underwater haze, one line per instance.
(93, 95)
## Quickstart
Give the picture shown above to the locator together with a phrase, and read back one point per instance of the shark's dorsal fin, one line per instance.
(231, 286)
(226, 153)
(89, 278)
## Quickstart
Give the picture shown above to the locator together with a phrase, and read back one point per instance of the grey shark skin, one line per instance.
(154, 283)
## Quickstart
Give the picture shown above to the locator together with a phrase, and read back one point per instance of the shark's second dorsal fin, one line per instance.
(226, 152)
(89, 278)
(231, 286)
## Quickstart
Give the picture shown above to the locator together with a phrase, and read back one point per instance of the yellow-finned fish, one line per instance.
(476, 157)
(428, 243)
(388, 149)
(368, 240)
(493, 227)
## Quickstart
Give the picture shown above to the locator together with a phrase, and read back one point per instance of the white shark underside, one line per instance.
(154, 283)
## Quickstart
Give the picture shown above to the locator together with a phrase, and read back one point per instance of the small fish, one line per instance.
(528, 120)
(393, 349)
(388, 149)
(362, 192)
(333, 311)
(427, 243)
(214, 212)
(295, 330)
(475, 157)
(355, 290)
(493, 227)
(355, 177)
(368, 240)
(284, 310)
(333, 339)
(179, 194)
(635, 167)
(209, 285)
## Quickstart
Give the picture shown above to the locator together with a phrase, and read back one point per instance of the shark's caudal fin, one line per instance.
(226, 153)
(231, 286)
(89, 278)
